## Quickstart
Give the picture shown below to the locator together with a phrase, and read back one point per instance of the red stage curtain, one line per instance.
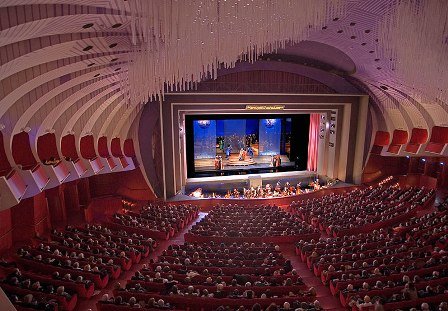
(313, 142)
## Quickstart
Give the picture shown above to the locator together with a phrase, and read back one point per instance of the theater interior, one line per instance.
(224, 155)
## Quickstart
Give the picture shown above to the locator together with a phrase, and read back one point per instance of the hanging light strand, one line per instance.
(415, 37)
(178, 43)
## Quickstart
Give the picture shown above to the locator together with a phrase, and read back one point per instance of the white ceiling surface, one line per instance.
(48, 81)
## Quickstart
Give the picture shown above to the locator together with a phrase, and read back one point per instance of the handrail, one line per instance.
(7, 232)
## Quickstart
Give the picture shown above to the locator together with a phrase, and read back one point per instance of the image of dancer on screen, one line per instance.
(228, 151)
(250, 152)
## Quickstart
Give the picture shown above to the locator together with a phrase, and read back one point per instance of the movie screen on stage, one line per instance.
(246, 143)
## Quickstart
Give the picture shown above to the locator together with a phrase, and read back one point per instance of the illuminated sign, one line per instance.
(265, 107)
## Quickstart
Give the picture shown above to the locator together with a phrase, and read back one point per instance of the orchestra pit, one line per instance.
(219, 155)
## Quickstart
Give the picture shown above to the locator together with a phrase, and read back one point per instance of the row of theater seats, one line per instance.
(213, 276)
(159, 222)
(74, 262)
(255, 224)
(400, 265)
(363, 209)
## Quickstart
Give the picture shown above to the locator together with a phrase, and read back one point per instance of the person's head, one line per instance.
(60, 290)
(286, 306)
(256, 307)
(28, 298)
(118, 300)
(132, 301)
(425, 306)
(443, 306)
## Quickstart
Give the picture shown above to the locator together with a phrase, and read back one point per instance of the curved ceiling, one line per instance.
(325, 54)
(64, 67)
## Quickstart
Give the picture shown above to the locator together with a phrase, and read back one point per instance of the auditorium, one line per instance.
(224, 155)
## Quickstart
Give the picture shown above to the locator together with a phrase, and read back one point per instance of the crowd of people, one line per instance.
(369, 246)
(216, 276)
(365, 208)
(156, 221)
(78, 260)
(235, 221)
(266, 191)
(402, 266)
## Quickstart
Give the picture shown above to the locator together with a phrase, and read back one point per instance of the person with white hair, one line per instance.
(132, 301)
(61, 292)
(161, 303)
(425, 306)
(28, 299)
(366, 302)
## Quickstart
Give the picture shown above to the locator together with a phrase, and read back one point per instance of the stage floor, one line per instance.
(262, 165)
(201, 165)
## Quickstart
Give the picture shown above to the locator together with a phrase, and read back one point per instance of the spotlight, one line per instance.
(423, 160)
(407, 157)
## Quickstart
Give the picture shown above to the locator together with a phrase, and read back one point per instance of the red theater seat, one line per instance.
(68, 147)
(399, 138)
(5, 166)
(21, 151)
(419, 136)
(47, 148)
(381, 139)
(129, 148)
(87, 147)
(438, 141)
(103, 150)
(115, 146)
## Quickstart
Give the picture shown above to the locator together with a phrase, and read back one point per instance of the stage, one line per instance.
(233, 163)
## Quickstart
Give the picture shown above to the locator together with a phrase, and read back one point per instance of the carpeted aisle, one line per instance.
(84, 305)
(327, 300)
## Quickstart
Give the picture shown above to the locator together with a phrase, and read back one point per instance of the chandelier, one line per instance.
(178, 43)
